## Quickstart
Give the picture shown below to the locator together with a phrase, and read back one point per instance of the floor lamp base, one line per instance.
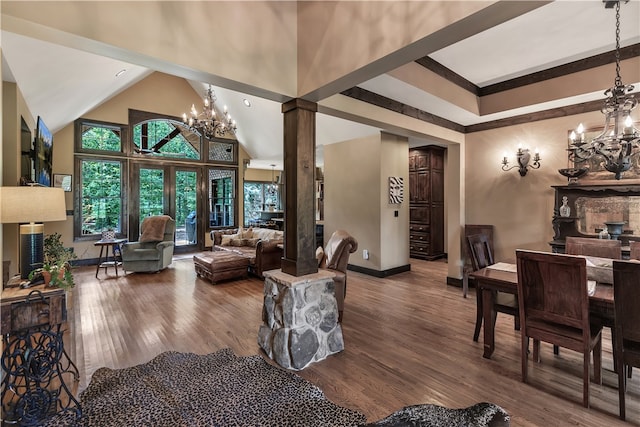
(31, 248)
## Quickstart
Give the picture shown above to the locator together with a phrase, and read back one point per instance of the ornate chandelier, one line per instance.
(207, 123)
(619, 140)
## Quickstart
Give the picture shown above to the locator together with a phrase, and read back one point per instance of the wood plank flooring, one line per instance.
(408, 340)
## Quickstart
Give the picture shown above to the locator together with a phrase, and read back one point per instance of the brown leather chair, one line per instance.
(634, 249)
(481, 257)
(626, 288)
(554, 307)
(336, 257)
(593, 247)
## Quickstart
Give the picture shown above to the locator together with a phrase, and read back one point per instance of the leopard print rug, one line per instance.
(217, 389)
(222, 389)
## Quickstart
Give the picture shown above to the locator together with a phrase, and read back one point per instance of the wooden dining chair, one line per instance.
(626, 297)
(467, 267)
(634, 249)
(554, 308)
(602, 248)
(481, 257)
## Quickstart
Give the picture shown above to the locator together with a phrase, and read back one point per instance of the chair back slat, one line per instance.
(480, 250)
(602, 248)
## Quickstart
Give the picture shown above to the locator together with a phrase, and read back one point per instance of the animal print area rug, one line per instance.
(217, 389)
(222, 389)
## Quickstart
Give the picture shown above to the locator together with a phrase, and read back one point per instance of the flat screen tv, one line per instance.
(44, 153)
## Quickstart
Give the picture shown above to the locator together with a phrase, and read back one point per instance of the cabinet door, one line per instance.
(413, 186)
(422, 160)
(437, 186)
(423, 186)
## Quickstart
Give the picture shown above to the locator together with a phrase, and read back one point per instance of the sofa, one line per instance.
(262, 246)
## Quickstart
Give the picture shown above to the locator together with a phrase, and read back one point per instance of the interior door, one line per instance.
(170, 190)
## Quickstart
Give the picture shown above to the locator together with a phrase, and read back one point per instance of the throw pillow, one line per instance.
(247, 234)
(226, 239)
(237, 242)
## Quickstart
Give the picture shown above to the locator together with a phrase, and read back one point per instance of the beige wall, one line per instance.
(221, 35)
(356, 198)
(340, 38)
(14, 108)
(394, 231)
(520, 208)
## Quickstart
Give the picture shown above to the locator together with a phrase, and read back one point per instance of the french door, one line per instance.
(166, 189)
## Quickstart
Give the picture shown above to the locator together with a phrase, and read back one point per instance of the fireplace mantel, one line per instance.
(590, 206)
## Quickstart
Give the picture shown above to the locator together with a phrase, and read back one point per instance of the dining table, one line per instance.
(503, 277)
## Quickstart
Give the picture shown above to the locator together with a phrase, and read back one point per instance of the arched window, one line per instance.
(166, 138)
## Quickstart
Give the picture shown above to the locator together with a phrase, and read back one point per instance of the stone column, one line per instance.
(299, 166)
(299, 319)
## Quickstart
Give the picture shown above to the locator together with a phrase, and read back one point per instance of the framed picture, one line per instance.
(62, 181)
(595, 164)
(396, 189)
(44, 153)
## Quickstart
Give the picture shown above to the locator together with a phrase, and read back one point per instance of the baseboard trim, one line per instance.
(84, 262)
(454, 281)
(379, 273)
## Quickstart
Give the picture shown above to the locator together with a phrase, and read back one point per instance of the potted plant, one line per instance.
(56, 267)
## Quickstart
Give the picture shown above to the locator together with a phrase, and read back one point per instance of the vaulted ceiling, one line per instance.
(490, 66)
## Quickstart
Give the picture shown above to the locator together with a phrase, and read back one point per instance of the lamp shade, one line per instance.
(31, 204)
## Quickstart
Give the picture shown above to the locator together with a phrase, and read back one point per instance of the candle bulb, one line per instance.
(628, 126)
(581, 132)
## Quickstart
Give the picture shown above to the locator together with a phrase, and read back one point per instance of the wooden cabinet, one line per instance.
(426, 202)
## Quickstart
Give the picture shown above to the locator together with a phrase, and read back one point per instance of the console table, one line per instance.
(34, 361)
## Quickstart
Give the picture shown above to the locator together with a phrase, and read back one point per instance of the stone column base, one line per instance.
(300, 319)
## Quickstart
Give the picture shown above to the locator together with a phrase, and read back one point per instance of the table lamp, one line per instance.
(31, 204)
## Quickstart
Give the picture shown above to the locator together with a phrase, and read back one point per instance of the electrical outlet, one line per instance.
(365, 254)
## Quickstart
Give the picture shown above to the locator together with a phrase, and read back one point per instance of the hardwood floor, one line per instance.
(408, 340)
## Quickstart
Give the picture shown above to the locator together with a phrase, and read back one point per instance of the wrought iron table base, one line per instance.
(33, 388)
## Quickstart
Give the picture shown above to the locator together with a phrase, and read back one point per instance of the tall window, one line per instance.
(100, 200)
(100, 196)
(259, 197)
(222, 202)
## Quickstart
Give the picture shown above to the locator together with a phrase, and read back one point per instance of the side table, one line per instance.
(34, 360)
(116, 253)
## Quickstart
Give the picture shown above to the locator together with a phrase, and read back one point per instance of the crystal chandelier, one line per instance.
(619, 140)
(207, 123)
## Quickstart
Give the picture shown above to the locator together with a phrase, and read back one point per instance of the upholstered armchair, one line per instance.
(336, 257)
(154, 250)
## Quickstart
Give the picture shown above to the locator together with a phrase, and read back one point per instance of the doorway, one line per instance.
(166, 189)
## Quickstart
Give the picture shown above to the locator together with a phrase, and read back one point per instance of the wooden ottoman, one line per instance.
(221, 265)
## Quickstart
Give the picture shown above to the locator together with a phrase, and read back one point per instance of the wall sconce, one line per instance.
(523, 157)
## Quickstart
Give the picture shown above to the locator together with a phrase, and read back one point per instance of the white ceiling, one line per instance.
(51, 75)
